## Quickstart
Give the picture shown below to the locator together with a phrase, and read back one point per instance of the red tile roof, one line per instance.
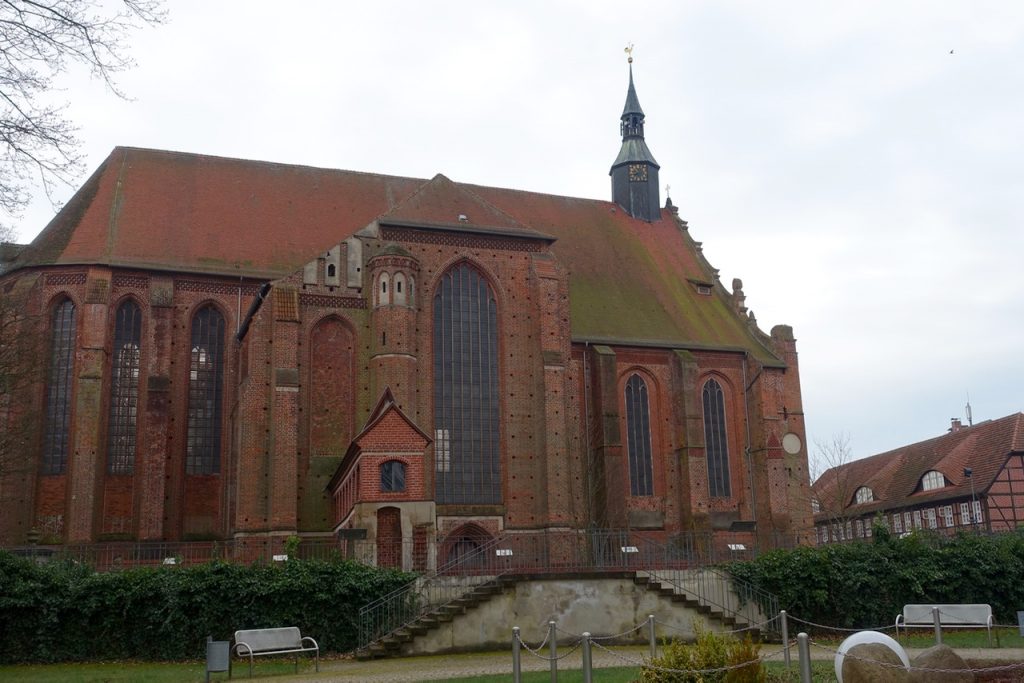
(894, 477)
(629, 279)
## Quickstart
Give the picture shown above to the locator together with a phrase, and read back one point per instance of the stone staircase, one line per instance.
(723, 611)
(394, 643)
(721, 606)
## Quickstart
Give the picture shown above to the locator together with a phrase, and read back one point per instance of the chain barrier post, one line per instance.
(804, 649)
(554, 651)
(785, 638)
(654, 643)
(517, 677)
(938, 625)
(587, 663)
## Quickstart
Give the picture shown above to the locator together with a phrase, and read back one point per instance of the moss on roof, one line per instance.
(629, 279)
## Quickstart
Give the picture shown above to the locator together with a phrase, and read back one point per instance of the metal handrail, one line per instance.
(683, 565)
(713, 588)
(425, 595)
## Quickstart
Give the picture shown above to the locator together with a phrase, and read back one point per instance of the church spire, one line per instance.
(635, 172)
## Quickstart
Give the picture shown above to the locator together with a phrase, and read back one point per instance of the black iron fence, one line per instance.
(531, 551)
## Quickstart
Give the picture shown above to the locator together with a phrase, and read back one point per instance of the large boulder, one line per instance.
(953, 668)
(873, 663)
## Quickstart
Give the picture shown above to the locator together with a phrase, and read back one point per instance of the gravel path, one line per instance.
(448, 667)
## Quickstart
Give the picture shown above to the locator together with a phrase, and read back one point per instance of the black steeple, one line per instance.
(635, 172)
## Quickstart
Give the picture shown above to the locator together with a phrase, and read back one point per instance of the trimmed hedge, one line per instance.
(61, 611)
(866, 584)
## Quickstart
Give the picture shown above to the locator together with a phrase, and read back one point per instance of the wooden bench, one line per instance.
(274, 641)
(959, 616)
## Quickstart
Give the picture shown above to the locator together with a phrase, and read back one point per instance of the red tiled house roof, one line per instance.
(895, 476)
(630, 280)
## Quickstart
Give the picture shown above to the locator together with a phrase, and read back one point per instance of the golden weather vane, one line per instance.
(629, 53)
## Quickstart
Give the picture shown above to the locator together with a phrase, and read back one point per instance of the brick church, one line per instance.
(235, 349)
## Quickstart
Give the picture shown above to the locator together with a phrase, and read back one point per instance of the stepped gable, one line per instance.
(631, 281)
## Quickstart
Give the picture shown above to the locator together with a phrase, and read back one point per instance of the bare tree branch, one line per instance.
(833, 485)
(39, 40)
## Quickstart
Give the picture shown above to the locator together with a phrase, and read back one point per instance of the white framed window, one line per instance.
(932, 480)
(917, 519)
(863, 495)
(859, 526)
(823, 534)
(867, 528)
(837, 532)
(908, 521)
(442, 450)
(849, 530)
(947, 516)
(897, 523)
(929, 516)
(965, 514)
(977, 512)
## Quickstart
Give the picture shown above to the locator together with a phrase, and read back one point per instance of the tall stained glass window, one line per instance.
(638, 437)
(124, 389)
(715, 441)
(466, 389)
(205, 392)
(57, 432)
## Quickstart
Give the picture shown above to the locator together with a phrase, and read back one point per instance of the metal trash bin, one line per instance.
(218, 656)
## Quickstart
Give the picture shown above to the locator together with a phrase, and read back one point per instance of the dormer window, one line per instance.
(703, 287)
(932, 480)
(863, 495)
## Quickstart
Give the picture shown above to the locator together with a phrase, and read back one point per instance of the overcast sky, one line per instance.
(859, 165)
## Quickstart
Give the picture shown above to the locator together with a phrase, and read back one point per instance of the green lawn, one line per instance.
(151, 672)
(615, 675)
(964, 638)
(187, 672)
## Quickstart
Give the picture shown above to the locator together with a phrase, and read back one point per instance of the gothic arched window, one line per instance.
(466, 452)
(392, 476)
(383, 296)
(124, 389)
(57, 433)
(205, 390)
(638, 437)
(716, 444)
(399, 289)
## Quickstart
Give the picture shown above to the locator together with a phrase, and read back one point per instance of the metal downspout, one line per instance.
(750, 466)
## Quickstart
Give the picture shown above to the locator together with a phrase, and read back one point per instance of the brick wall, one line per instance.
(318, 356)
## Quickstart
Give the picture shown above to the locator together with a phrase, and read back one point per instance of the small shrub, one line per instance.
(710, 659)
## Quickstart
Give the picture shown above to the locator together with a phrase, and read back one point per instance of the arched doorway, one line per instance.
(463, 549)
(389, 537)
